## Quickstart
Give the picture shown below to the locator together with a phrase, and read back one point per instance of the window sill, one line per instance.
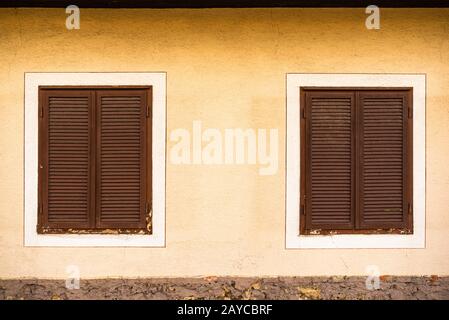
(314, 232)
(97, 240)
(92, 231)
(356, 241)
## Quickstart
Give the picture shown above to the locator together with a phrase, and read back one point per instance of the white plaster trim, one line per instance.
(32, 82)
(415, 240)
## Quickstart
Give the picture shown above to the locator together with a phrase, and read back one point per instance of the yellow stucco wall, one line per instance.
(226, 68)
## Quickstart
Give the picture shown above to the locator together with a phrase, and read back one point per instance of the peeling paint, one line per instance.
(94, 231)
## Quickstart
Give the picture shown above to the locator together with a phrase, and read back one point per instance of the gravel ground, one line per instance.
(230, 288)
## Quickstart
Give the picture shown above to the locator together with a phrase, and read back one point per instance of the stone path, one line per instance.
(429, 287)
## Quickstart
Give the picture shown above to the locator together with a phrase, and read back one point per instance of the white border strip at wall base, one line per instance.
(415, 240)
(32, 83)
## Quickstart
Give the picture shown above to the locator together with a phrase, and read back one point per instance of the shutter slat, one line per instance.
(121, 159)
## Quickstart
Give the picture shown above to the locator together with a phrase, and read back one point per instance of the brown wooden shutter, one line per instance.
(356, 167)
(385, 159)
(329, 156)
(121, 157)
(65, 140)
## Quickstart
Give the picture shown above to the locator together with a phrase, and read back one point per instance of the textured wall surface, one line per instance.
(226, 68)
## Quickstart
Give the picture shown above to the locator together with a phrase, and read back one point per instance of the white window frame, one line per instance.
(293, 239)
(32, 82)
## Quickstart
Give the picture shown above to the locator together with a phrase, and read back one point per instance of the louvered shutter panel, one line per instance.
(385, 177)
(65, 158)
(329, 153)
(121, 158)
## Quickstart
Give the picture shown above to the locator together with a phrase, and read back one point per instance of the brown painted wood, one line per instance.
(355, 160)
(303, 163)
(121, 158)
(380, 161)
(329, 156)
(383, 176)
(64, 159)
(95, 146)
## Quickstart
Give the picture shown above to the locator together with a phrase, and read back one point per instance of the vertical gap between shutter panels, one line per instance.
(359, 160)
(355, 167)
(94, 143)
(97, 157)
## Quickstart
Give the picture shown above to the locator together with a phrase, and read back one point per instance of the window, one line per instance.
(352, 209)
(154, 83)
(356, 160)
(94, 160)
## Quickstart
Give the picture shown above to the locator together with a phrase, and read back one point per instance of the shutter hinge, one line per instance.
(409, 209)
(410, 112)
(304, 113)
(40, 209)
(41, 111)
(148, 111)
(303, 206)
